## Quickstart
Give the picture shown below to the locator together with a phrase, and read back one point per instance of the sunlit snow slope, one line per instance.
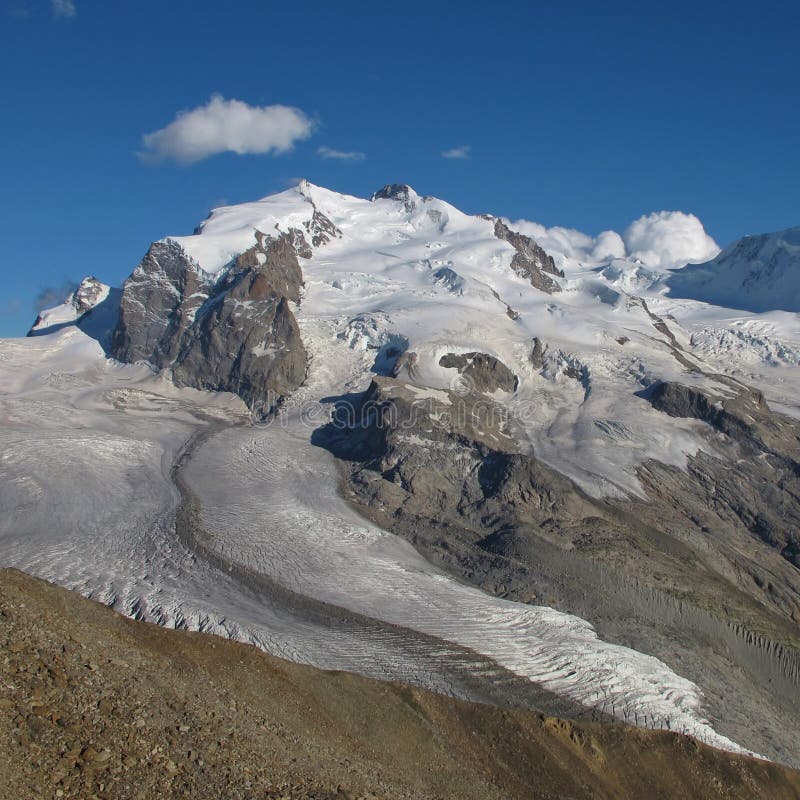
(419, 272)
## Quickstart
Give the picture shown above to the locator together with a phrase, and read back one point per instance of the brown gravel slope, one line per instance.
(95, 705)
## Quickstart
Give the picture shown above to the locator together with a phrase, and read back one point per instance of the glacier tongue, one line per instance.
(85, 452)
(270, 503)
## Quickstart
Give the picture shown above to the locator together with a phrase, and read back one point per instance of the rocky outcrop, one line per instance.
(397, 191)
(538, 350)
(87, 295)
(245, 339)
(555, 363)
(530, 261)
(159, 302)
(321, 229)
(757, 492)
(744, 417)
(237, 334)
(297, 237)
(483, 373)
(450, 457)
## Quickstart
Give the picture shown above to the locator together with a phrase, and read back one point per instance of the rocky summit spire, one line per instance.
(398, 191)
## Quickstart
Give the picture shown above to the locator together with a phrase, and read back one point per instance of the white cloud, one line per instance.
(227, 126)
(669, 239)
(341, 155)
(63, 9)
(607, 245)
(457, 152)
(662, 240)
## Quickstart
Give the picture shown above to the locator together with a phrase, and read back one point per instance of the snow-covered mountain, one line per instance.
(89, 293)
(757, 273)
(480, 459)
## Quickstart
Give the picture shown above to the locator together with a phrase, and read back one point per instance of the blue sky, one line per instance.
(579, 114)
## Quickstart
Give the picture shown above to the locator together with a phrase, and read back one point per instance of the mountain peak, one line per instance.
(305, 188)
(756, 273)
(89, 293)
(398, 191)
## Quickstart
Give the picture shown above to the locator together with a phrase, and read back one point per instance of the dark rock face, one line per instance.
(159, 301)
(469, 472)
(537, 353)
(301, 246)
(741, 417)
(237, 335)
(321, 229)
(87, 295)
(530, 260)
(484, 372)
(758, 487)
(397, 191)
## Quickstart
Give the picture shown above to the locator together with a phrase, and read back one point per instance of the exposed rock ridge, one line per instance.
(319, 228)
(397, 191)
(159, 301)
(736, 417)
(759, 491)
(237, 334)
(530, 261)
(485, 373)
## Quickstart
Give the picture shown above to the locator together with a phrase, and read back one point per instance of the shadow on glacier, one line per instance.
(351, 430)
(699, 282)
(98, 323)
(345, 435)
